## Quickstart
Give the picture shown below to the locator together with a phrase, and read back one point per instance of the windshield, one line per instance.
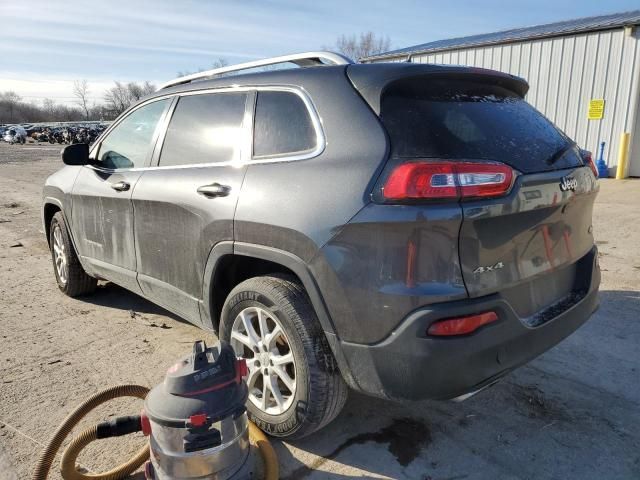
(462, 119)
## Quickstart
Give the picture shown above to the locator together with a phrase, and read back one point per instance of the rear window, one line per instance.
(461, 119)
(282, 125)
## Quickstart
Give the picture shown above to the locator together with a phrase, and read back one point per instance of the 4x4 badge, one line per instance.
(490, 268)
(568, 183)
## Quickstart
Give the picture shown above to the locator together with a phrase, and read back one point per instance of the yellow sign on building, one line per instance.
(596, 109)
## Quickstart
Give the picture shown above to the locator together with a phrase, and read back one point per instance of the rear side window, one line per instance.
(204, 128)
(282, 125)
(462, 119)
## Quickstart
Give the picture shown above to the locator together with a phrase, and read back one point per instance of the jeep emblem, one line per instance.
(568, 183)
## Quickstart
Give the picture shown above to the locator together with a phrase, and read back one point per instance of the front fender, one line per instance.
(57, 192)
(57, 189)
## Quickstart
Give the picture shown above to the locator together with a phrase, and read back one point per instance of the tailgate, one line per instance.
(530, 240)
(525, 190)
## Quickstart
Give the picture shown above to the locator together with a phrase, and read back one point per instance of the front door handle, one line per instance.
(214, 190)
(121, 186)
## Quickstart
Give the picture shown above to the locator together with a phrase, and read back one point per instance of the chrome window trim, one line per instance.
(315, 121)
(157, 146)
(245, 127)
(244, 159)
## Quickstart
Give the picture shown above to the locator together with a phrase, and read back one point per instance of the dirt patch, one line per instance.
(533, 402)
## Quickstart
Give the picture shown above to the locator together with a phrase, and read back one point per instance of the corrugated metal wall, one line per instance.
(564, 74)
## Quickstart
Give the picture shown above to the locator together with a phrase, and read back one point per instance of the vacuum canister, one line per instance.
(196, 419)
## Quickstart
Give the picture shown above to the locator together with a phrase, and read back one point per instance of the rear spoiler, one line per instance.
(372, 79)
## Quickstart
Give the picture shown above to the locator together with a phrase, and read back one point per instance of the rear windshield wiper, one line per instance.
(560, 152)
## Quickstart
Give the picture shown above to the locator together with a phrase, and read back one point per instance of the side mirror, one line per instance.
(76, 154)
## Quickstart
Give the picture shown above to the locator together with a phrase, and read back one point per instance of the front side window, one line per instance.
(282, 125)
(129, 143)
(205, 128)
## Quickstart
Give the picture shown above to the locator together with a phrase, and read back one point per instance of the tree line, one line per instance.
(14, 109)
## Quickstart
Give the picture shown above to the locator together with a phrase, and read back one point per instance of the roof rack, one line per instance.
(308, 59)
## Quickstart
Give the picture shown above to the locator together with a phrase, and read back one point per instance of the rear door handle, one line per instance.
(121, 186)
(214, 190)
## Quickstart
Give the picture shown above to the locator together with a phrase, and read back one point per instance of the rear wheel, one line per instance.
(71, 277)
(295, 387)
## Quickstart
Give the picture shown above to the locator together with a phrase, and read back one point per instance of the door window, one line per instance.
(205, 128)
(282, 125)
(129, 143)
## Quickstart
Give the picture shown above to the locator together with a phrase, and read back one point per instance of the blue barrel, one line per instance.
(601, 165)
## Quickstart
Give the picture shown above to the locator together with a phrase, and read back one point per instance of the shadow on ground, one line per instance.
(113, 296)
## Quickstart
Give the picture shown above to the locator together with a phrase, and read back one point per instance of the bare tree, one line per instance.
(217, 63)
(116, 98)
(81, 92)
(10, 101)
(148, 88)
(121, 96)
(49, 107)
(363, 45)
(136, 92)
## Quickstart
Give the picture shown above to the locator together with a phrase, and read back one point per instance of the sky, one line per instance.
(47, 44)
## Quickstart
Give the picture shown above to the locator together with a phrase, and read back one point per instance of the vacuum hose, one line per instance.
(268, 454)
(68, 462)
(46, 459)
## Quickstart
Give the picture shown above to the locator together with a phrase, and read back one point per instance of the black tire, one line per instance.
(320, 391)
(77, 282)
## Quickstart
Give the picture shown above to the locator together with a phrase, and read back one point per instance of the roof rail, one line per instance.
(308, 59)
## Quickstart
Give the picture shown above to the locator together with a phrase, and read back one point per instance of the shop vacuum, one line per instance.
(196, 422)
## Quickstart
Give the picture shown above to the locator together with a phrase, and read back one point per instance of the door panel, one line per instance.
(186, 205)
(176, 227)
(102, 219)
(102, 212)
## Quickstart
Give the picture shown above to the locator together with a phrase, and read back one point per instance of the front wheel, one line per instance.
(71, 277)
(295, 387)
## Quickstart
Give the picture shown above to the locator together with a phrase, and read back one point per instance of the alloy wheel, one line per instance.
(259, 337)
(60, 255)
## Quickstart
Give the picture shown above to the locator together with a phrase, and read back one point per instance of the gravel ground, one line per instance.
(572, 413)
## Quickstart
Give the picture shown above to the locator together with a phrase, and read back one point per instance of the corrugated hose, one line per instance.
(68, 468)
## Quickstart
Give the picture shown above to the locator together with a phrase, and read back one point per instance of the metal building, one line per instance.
(571, 66)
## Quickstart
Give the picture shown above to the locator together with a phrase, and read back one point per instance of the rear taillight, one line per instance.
(448, 180)
(587, 158)
(461, 325)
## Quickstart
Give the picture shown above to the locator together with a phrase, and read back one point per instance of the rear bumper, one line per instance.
(409, 365)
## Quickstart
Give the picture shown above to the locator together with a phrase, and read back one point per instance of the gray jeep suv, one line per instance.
(408, 231)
